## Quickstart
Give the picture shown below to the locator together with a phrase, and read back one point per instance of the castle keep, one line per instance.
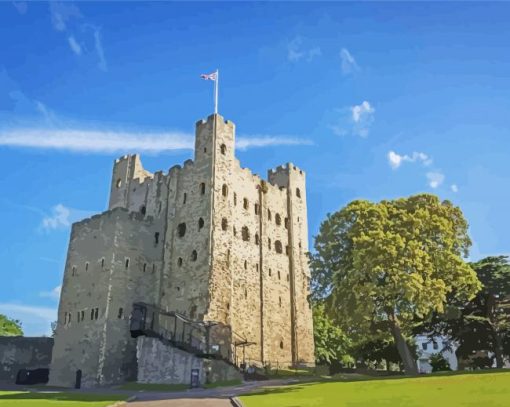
(208, 256)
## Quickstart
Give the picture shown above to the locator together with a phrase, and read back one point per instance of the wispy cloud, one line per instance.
(356, 120)
(35, 320)
(82, 35)
(21, 6)
(349, 64)
(395, 160)
(106, 142)
(99, 49)
(62, 217)
(75, 47)
(58, 219)
(362, 117)
(53, 294)
(95, 141)
(244, 143)
(297, 52)
(454, 188)
(435, 178)
(61, 13)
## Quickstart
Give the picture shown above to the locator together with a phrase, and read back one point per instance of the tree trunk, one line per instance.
(403, 350)
(498, 350)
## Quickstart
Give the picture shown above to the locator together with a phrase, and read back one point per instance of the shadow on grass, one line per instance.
(153, 387)
(61, 396)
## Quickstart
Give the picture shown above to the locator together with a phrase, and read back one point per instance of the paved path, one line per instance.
(184, 402)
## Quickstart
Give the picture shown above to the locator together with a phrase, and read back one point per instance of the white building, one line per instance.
(427, 347)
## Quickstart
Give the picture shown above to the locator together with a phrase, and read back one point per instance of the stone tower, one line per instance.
(208, 240)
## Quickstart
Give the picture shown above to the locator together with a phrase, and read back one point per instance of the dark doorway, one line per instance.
(77, 383)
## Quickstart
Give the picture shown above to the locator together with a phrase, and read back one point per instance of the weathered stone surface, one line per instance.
(241, 262)
(159, 363)
(23, 353)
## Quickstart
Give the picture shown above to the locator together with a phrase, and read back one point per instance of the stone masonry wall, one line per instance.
(23, 353)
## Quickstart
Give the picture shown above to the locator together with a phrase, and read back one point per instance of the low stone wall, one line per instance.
(18, 352)
(160, 363)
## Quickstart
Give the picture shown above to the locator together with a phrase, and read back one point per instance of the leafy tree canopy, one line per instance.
(384, 265)
(10, 327)
(331, 343)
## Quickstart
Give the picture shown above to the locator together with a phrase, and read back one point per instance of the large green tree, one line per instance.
(331, 343)
(384, 265)
(10, 327)
(482, 324)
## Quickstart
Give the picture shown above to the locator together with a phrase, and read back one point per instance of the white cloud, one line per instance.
(349, 64)
(97, 141)
(395, 160)
(75, 47)
(362, 116)
(244, 143)
(99, 49)
(359, 112)
(296, 51)
(58, 219)
(53, 294)
(435, 179)
(62, 13)
(454, 188)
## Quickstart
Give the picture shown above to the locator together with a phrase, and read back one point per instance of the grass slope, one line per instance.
(57, 399)
(487, 390)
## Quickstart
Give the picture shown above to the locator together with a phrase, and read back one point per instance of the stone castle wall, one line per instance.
(209, 240)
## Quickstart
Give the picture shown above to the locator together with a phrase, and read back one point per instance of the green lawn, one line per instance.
(476, 390)
(57, 399)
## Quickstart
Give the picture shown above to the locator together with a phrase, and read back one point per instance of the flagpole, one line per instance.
(216, 83)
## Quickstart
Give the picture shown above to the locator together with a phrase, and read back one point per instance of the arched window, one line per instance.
(269, 243)
(194, 255)
(181, 229)
(298, 193)
(281, 344)
(200, 223)
(126, 263)
(245, 265)
(278, 219)
(102, 262)
(224, 224)
(245, 233)
(86, 266)
(224, 190)
(179, 261)
(202, 188)
(245, 203)
(256, 238)
(278, 246)
(268, 214)
(184, 198)
(223, 149)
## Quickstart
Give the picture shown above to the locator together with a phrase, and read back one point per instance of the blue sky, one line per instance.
(372, 100)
